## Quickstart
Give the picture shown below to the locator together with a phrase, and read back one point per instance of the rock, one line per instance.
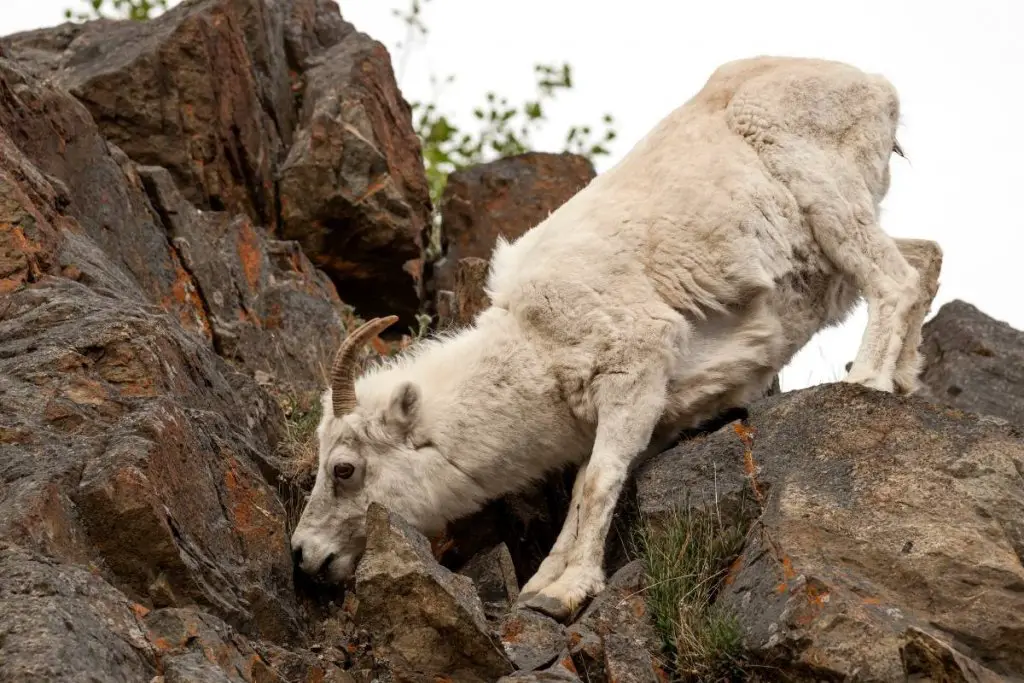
(531, 640)
(494, 576)
(876, 514)
(78, 176)
(62, 623)
(270, 311)
(197, 647)
(503, 198)
(437, 625)
(553, 675)
(128, 444)
(974, 363)
(353, 188)
(619, 618)
(926, 657)
(204, 90)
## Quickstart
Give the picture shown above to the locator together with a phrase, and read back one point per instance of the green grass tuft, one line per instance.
(687, 557)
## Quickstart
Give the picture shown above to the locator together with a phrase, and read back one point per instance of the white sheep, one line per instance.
(673, 287)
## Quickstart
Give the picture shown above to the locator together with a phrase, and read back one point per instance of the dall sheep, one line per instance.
(671, 288)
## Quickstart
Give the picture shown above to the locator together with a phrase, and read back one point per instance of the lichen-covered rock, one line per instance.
(974, 362)
(88, 187)
(531, 640)
(425, 620)
(877, 514)
(269, 309)
(353, 189)
(204, 90)
(128, 444)
(503, 198)
(619, 619)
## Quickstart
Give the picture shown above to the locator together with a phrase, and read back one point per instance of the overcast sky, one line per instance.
(959, 68)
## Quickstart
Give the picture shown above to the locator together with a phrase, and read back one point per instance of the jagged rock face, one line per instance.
(974, 362)
(277, 111)
(874, 514)
(268, 309)
(353, 189)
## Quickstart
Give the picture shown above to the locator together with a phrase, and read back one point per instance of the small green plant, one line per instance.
(137, 10)
(687, 557)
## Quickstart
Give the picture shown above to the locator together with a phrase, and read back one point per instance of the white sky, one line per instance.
(958, 67)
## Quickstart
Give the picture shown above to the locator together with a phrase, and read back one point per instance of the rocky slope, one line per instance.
(193, 209)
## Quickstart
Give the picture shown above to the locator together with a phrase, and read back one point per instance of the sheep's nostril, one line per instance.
(297, 557)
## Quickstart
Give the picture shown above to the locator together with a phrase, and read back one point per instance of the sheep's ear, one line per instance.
(403, 410)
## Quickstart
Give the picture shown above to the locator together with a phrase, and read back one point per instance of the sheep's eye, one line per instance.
(343, 470)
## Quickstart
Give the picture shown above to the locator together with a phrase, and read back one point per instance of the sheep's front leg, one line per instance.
(554, 564)
(925, 256)
(625, 425)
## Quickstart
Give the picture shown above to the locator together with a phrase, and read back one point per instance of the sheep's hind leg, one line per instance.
(630, 409)
(554, 564)
(890, 285)
(925, 256)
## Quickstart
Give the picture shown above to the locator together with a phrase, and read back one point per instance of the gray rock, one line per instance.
(974, 363)
(425, 620)
(876, 513)
(927, 657)
(61, 623)
(619, 618)
(556, 674)
(531, 640)
(494, 576)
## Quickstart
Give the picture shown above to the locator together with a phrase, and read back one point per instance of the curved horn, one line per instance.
(343, 374)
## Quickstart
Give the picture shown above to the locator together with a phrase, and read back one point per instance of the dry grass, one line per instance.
(687, 557)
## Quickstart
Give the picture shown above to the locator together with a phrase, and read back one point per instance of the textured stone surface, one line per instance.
(269, 309)
(613, 640)
(61, 623)
(494, 575)
(877, 514)
(90, 188)
(425, 620)
(503, 198)
(531, 640)
(353, 189)
(974, 362)
(128, 444)
(205, 90)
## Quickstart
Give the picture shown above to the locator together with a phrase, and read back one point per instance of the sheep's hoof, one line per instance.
(544, 604)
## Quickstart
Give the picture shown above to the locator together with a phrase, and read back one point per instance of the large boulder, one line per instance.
(875, 516)
(974, 362)
(86, 179)
(277, 111)
(204, 90)
(128, 444)
(353, 189)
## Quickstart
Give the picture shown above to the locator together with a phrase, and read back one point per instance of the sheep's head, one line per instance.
(358, 448)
